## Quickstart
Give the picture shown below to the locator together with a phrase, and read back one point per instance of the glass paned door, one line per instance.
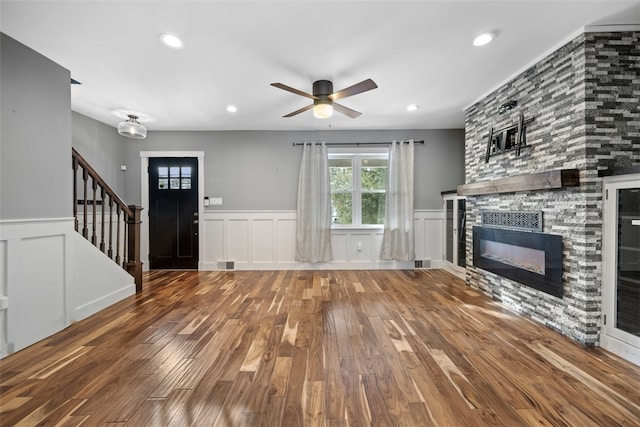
(455, 231)
(628, 261)
(449, 230)
(621, 267)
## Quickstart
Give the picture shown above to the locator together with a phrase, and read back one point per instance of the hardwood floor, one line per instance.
(324, 348)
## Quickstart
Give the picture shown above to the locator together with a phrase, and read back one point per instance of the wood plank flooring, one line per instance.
(304, 348)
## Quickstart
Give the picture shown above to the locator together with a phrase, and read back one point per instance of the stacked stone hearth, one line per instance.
(585, 101)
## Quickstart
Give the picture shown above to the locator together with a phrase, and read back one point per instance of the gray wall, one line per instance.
(258, 170)
(102, 147)
(35, 143)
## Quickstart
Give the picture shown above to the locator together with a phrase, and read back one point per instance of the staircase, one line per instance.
(105, 220)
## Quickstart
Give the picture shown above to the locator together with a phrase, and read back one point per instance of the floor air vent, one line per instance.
(226, 265)
(422, 263)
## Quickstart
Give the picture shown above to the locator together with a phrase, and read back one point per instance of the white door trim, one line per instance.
(144, 196)
(618, 342)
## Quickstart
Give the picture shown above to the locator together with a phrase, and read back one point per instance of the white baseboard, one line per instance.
(620, 348)
(85, 310)
(456, 271)
(245, 266)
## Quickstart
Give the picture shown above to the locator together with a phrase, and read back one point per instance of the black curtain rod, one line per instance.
(357, 144)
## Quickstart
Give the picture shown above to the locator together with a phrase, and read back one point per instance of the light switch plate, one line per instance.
(216, 201)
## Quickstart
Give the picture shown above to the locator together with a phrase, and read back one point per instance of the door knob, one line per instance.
(195, 221)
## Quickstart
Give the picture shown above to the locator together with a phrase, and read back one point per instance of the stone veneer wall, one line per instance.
(585, 101)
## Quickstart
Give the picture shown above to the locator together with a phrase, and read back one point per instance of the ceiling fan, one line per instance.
(324, 98)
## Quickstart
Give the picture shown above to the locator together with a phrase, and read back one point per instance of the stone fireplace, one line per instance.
(581, 104)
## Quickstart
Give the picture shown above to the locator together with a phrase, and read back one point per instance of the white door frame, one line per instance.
(614, 340)
(144, 196)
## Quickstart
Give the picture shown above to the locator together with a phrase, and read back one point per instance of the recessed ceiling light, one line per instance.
(483, 39)
(232, 108)
(412, 107)
(171, 41)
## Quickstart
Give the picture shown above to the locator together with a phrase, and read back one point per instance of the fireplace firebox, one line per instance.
(533, 259)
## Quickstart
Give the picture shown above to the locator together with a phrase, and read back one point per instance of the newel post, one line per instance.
(134, 265)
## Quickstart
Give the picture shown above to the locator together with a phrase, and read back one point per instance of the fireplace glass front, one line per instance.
(515, 256)
(533, 259)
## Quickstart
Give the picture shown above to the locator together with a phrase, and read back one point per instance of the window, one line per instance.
(174, 177)
(358, 183)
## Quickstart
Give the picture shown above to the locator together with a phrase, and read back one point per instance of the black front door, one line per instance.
(173, 212)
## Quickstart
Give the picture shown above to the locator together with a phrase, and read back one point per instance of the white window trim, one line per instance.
(356, 154)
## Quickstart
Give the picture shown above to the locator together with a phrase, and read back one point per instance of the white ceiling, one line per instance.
(416, 51)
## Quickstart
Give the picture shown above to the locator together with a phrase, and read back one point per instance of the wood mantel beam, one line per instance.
(529, 182)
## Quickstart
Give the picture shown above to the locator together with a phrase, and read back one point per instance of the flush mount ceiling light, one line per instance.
(232, 108)
(172, 41)
(131, 128)
(484, 39)
(412, 107)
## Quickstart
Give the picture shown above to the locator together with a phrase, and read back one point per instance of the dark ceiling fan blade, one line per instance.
(346, 111)
(302, 110)
(357, 88)
(293, 90)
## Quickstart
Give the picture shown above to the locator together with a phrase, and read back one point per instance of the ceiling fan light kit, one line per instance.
(131, 128)
(322, 109)
(324, 98)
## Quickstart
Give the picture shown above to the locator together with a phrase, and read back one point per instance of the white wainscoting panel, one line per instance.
(3, 298)
(429, 235)
(238, 240)
(286, 240)
(41, 304)
(213, 242)
(48, 281)
(36, 266)
(265, 240)
(97, 280)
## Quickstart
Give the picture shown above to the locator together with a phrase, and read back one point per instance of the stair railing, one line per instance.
(116, 232)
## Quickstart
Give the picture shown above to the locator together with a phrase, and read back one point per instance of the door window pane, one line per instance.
(163, 171)
(163, 183)
(186, 171)
(174, 183)
(174, 172)
(185, 183)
